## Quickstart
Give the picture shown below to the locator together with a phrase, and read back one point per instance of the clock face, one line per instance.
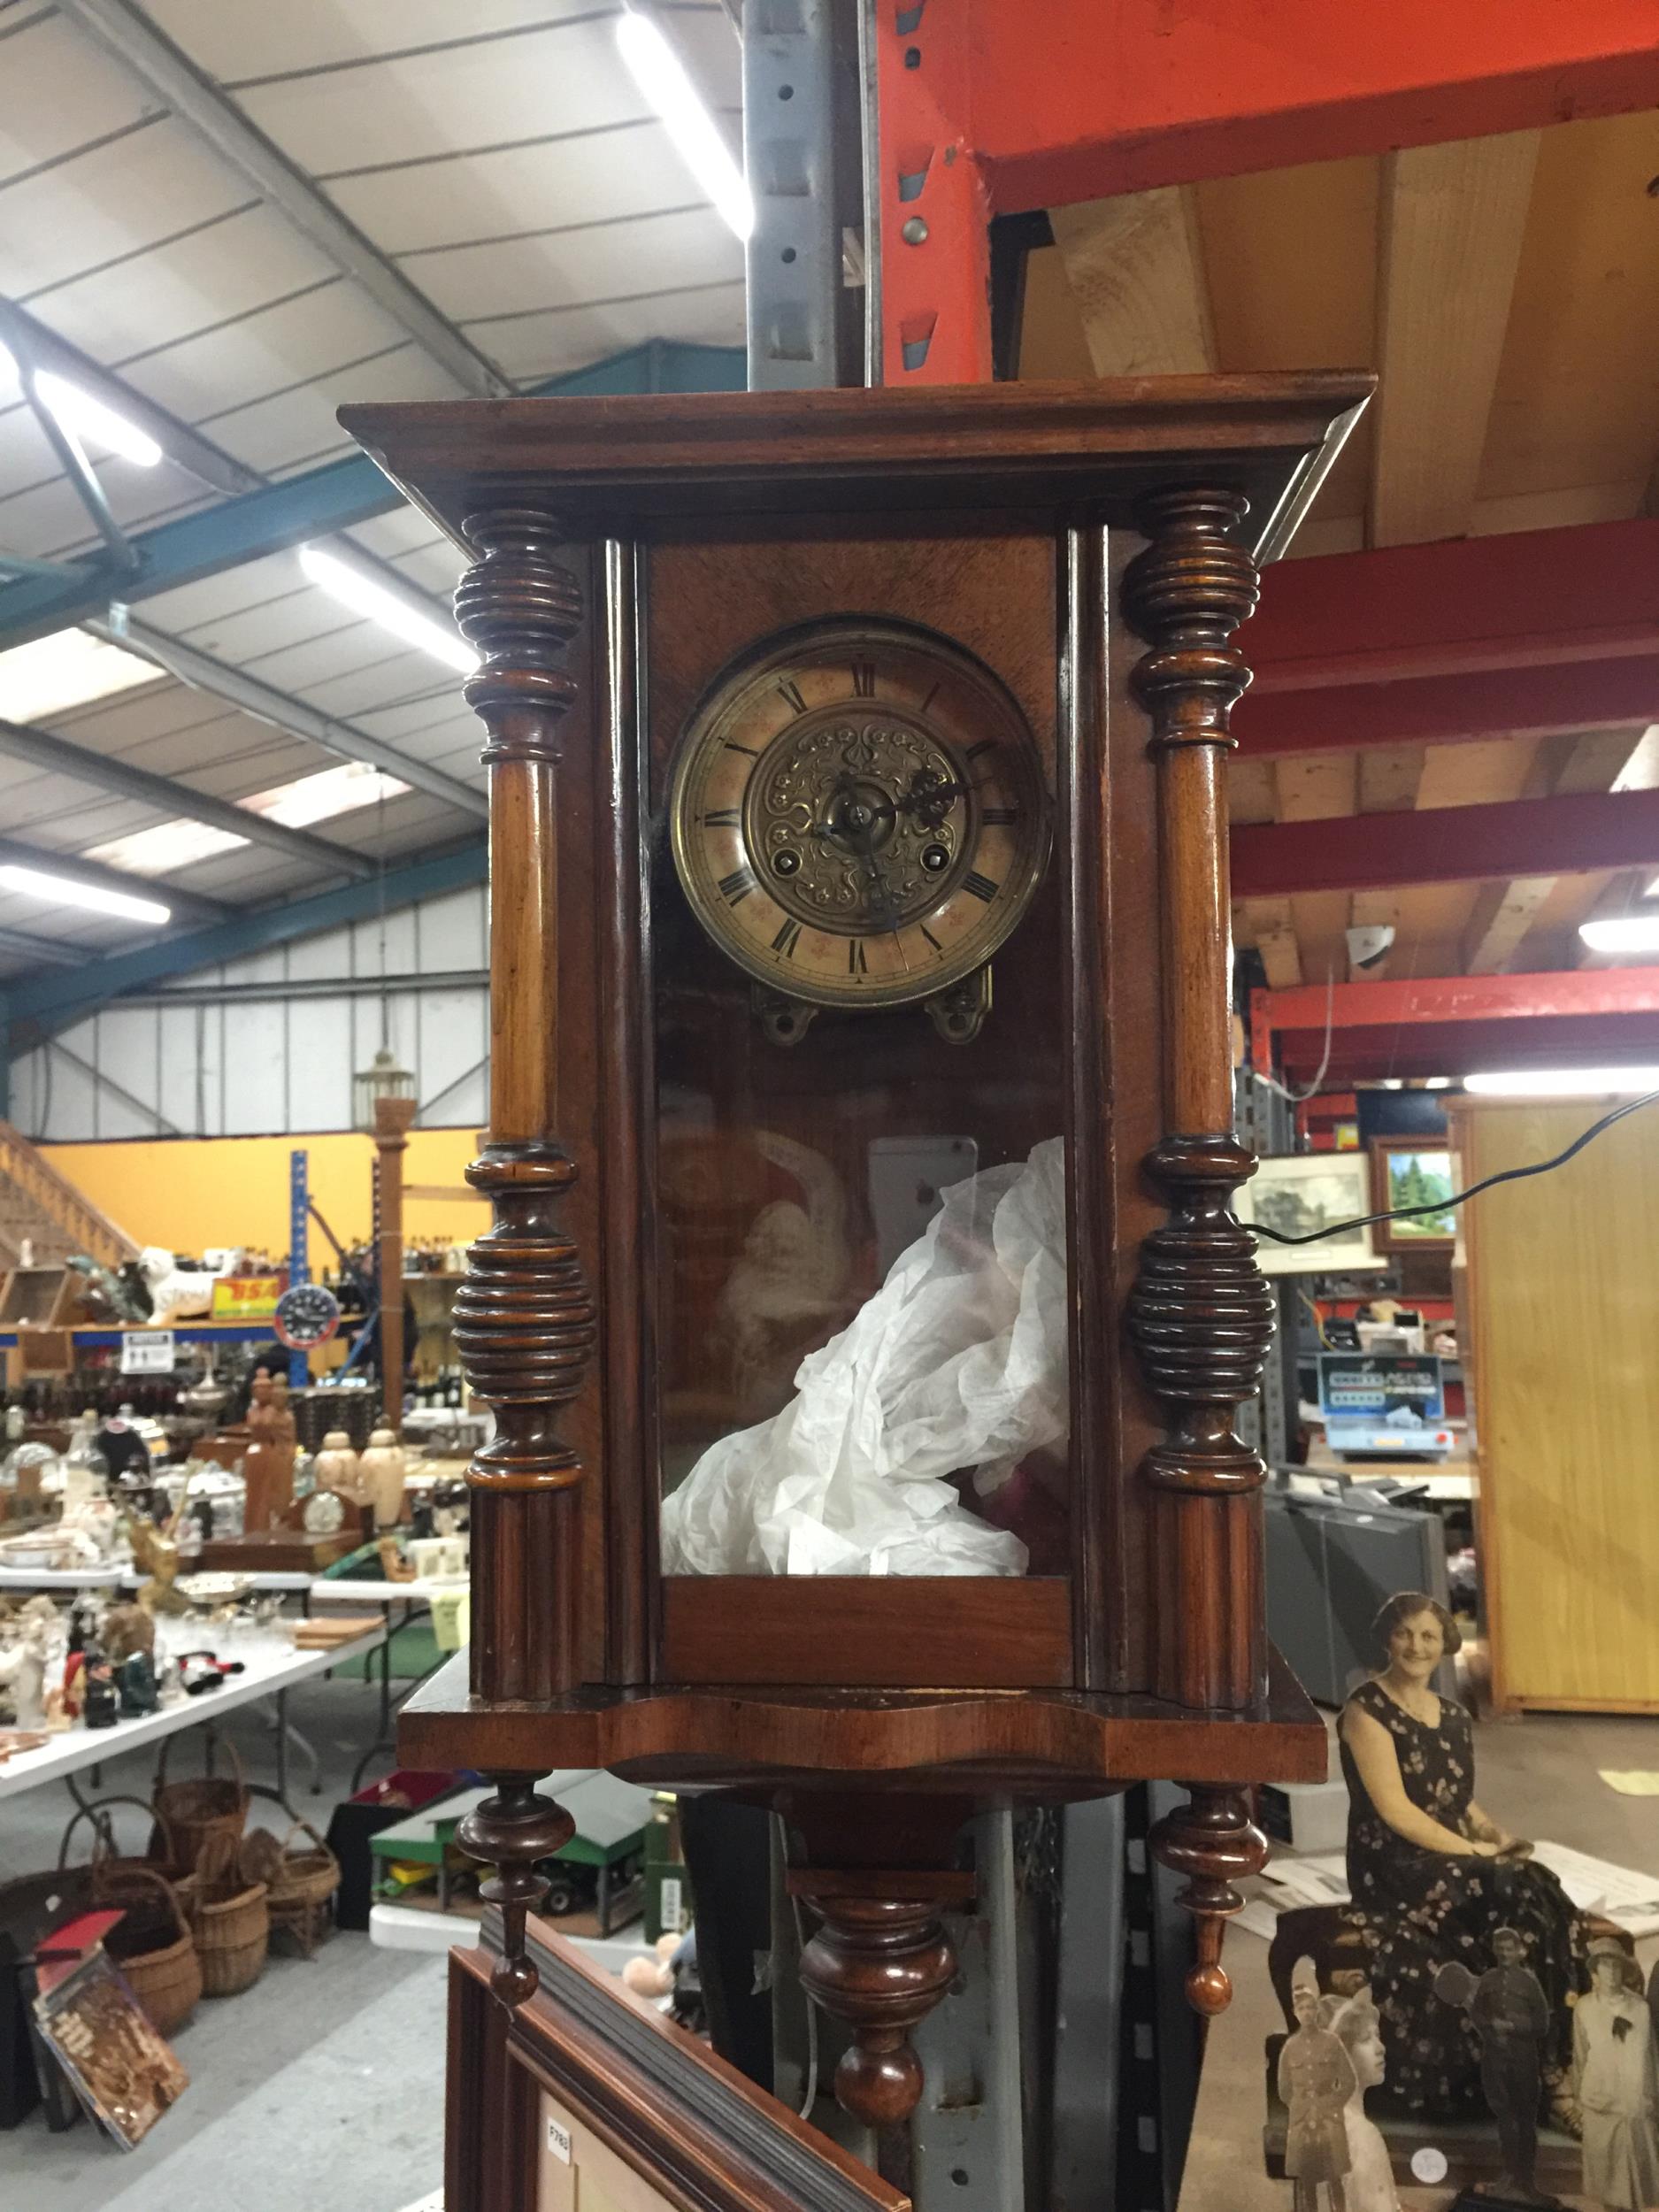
(858, 814)
(323, 1513)
(306, 1314)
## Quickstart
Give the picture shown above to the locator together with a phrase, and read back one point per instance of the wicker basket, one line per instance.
(300, 1882)
(229, 1917)
(161, 1856)
(209, 1805)
(153, 1944)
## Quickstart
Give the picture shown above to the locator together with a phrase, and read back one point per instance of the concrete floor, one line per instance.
(320, 2086)
(1538, 1777)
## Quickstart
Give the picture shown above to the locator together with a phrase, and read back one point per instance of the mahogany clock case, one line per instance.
(697, 530)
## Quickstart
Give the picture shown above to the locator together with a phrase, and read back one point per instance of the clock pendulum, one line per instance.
(814, 706)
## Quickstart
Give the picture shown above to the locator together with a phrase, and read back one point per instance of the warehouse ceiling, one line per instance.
(1506, 288)
(243, 218)
(512, 212)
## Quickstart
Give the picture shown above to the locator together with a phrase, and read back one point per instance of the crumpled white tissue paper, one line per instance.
(957, 1362)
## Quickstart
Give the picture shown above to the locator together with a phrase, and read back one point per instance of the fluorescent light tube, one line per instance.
(35, 883)
(1561, 1082)
(1625, 932)
(90, 418)
(660, 74)
(375, 604)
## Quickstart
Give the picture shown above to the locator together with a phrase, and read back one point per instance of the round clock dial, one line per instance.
(859, 814)
(307, 1314)
(323, 1513)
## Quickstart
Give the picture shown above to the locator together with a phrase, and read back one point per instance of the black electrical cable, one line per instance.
(1444, 1205)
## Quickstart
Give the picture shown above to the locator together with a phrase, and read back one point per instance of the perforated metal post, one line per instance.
(794, 253)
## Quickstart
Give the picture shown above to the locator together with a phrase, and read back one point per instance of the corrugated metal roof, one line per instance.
(503, 158)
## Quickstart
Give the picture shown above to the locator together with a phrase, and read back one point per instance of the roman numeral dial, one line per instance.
(859, 814)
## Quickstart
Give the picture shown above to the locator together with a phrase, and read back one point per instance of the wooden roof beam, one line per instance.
(1435, 1025)
(1453, 218)
(1539, 633)
(1602, 760)
(1135, 266)
(1568, 835)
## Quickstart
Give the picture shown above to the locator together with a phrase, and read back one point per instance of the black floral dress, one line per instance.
(1419, 1909)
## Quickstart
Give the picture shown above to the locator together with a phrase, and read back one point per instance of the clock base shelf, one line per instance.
(279, 1551)
(1053, 1744)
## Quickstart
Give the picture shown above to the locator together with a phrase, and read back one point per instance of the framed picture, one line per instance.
(585, 2099)
(1410, 1171)
(125, 2073)
(1303, 1192)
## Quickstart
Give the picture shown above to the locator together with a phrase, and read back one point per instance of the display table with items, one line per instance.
(266, 1665)
(862, 1030)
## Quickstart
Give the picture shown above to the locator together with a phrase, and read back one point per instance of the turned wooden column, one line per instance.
(1200, 1314)
(392, 1119)
(524, 1318)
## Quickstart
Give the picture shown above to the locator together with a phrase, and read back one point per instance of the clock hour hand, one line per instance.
(925, 795)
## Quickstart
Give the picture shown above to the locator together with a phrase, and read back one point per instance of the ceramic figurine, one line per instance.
(1314, 2084)
(381, 1472)
(101, 1708)
(1617, 2082)
(127, 1629)
(451, 1501)
(23, 1678)
(1507, 2005)
(1433, 1878)
(135, 1680)
(393, 1566)
(157, 1551)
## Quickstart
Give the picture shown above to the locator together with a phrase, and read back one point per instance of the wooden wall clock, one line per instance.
(863, 1314)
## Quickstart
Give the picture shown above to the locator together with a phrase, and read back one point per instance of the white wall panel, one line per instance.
(454, 931)
(255, 1069)
(274, 1066)
(179, 1095)
(452, 1038)
(124, 1053)
(319, 1063)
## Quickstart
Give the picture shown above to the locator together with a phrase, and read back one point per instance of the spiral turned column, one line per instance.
(1213, 1841)
(525, 1321)
(1200, 1315)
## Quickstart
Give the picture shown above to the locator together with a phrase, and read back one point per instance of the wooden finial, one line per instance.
(1213, 1841)
(512, 1832)
(880, 1961)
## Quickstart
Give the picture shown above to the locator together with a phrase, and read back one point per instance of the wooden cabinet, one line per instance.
(1561, 1315)
(744, 653)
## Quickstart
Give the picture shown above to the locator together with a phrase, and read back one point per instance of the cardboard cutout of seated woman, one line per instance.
(1434, 1878)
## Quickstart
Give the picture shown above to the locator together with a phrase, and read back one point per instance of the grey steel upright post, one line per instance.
(795, 251)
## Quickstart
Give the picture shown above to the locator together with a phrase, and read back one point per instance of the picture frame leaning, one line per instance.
(1299, 1193)
(1410, 1171)
(606, 2100)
